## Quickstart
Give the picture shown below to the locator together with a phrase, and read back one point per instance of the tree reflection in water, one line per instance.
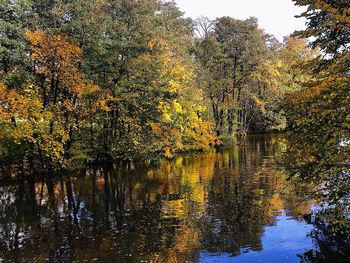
(332, 243)
(219, 202)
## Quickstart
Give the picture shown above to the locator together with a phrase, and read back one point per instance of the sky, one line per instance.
(277, 17)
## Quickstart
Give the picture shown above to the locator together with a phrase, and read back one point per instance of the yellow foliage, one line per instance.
(177, 107)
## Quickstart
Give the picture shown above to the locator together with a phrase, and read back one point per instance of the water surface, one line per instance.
(233, 205)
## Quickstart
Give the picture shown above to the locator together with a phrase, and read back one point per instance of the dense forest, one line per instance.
(88, 84)
(114, 79)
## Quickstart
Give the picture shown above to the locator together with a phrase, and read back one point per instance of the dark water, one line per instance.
(234, 205)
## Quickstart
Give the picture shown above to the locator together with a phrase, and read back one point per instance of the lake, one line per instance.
(229, 205)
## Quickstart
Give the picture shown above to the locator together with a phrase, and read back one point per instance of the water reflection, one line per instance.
(330, 246)
(206, 207)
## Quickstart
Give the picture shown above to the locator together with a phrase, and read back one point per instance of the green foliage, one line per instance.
(100, 80)
(102, 76)
(13, 59)
(245, 74)
(328, 23)
(319, 113)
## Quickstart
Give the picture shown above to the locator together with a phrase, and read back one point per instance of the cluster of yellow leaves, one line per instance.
(44, 114)
(342, 16)
(16, 108)
(54, 55)
(174, 70)
(181, 126)
(317, 88)
(12, 105)
(56, 58)
(170, 138)
(23, 121)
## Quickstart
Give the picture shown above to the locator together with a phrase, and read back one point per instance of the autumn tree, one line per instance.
(319, 114)
(47, 116)
(240, 75)
(106, 76)
(133, 79)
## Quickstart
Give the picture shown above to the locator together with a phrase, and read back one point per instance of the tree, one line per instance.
(13, 60)
(328, 22)
(45, 116)
(319, 114)
(235, 58)
(119, 79)
(102, 74)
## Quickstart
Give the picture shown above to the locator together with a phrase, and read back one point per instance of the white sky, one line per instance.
(275, 16)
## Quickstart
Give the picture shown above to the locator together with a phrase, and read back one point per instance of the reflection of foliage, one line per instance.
(241, 204)
(332, 245)
(218, 201)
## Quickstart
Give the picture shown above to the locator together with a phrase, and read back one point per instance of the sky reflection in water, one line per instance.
(280, 243)
(214, 207)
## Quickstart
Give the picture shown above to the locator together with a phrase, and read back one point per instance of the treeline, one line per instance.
(99, 80)
(246, 73)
